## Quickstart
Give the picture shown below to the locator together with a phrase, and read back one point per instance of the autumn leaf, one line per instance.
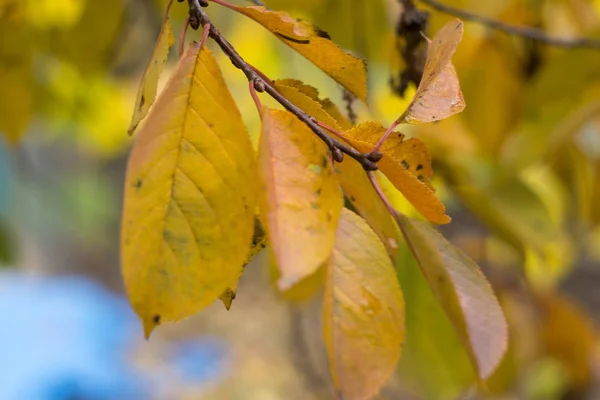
(190, 186)
(259, 242)
(300, 199)
(149, 84)
(316, 46)
(434, 363)
(464, 293)
(355, 183)
(363, 311)
(438, 95)
(407, 165)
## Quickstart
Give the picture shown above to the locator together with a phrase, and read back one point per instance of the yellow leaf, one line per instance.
(304, 290)
(306, 98)
(316, 46)
(300, 199)
(149, 85)
(190, 196)
(365, 200)
(438, 95)
(406, 163)
(464, 293)
(353, 179)
(363, 311)
(259, 242)
(331, 110)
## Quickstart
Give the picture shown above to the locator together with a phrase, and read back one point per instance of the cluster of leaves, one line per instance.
(198, 196)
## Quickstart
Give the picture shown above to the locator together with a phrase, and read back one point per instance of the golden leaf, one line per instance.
(438, 95)
(300, 199)
(407, 165)
(363, 311)
(316, 46)
(463, 292)
(190, 196)
(353, 179)
(149, 84)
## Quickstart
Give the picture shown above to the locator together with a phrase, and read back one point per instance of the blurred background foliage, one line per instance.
(519, 170)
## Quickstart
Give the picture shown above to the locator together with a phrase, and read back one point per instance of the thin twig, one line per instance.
(525, 31)
(198, 17)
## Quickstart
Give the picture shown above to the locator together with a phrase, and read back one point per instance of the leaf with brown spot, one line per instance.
(149, 84)
(190, 184)
(363, 311)
(463, 292)
(312, 43)
(300, 199)
(407, 165)
(438, 95)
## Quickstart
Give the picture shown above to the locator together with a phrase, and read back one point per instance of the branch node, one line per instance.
(337, 155)
(374, 156)
(259, 85)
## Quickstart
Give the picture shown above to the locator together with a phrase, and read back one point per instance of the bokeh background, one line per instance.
(519, 170)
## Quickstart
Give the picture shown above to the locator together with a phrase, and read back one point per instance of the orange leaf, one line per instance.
(300, 198)
(149, 84)
(190, 196)
(438, 95)
(363, 311)
(316, 46)
(353, 179)
(463, 292)
(407, 165)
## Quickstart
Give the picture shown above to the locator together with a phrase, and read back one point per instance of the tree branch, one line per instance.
(525, 31)
(262, 84)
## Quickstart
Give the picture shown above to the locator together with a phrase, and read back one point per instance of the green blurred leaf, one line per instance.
(464, 293)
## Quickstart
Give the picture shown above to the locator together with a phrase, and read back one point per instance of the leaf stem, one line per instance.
(167, 10)
(181, 41)
(382, 195)
(254, 95)
(387, 133)
(330, 129)
(338, 149)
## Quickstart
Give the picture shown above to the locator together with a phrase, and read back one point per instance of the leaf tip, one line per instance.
(150, 324)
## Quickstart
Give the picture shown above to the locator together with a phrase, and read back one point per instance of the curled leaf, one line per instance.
(463, 292)
(190, 183)
(407, 165)
(300, 199)
(363, 311)
(149, 84)
(259, 242)
(316, 46)
(438, 95)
